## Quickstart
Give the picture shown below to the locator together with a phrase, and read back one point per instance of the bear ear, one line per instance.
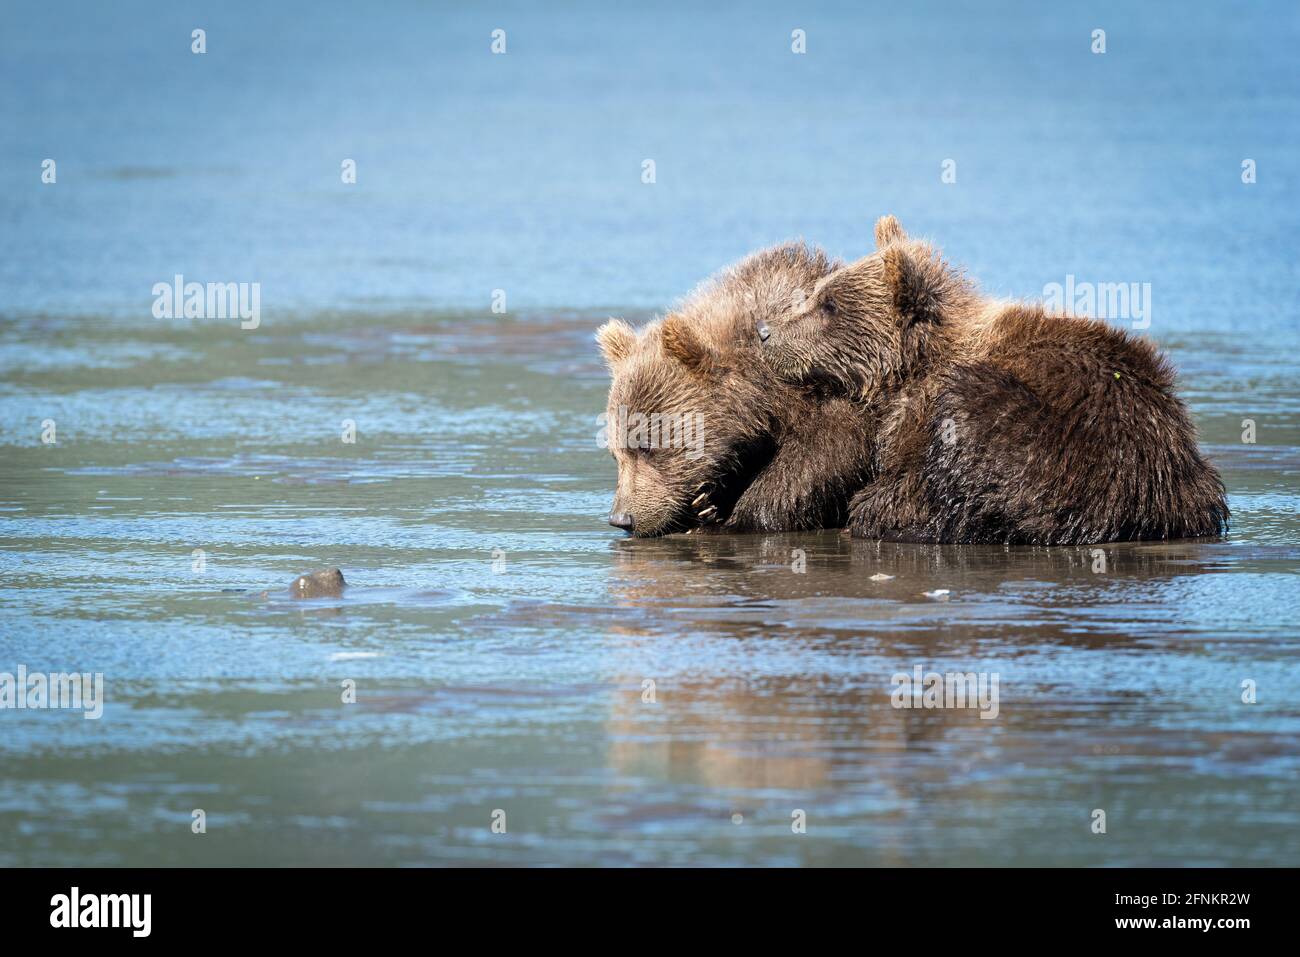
(681, 342)
(916, 284)
(616, 339)
(888, 230)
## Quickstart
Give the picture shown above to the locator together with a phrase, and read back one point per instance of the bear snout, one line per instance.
(622, 520)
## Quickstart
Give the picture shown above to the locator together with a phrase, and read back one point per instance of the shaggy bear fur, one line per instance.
(774, 457)
(998, 422)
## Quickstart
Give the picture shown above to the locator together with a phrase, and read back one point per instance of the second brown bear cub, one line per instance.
(999, 423)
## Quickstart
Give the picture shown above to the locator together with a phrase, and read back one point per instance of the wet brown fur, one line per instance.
(998, 422)
(775, 457)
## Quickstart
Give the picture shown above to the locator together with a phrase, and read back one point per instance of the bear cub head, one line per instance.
(692, 405)
(873, 323)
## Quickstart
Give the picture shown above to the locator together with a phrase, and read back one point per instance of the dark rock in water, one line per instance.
(323, 584)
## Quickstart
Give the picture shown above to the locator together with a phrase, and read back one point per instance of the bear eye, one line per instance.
(644, 446)
(828, 306)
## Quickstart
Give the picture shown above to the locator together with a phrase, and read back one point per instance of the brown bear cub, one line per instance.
(705, 436)
(998, 423)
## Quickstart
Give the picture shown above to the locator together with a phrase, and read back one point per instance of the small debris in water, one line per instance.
(327, 583)
(939, 593)
(881, 577)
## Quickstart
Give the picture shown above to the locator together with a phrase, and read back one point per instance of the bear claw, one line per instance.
(709, 512)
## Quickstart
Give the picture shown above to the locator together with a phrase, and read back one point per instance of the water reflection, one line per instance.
(773, 686)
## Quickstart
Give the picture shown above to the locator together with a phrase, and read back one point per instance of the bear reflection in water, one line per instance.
(829, 564)
(765, 677)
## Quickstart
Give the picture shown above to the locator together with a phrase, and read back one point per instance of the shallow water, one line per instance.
(498, 633)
